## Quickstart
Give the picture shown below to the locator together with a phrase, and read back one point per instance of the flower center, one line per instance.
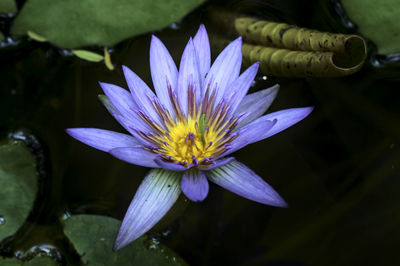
(190, 142)
(193, 139)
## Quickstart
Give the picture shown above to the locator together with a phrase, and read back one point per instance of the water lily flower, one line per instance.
(188, 129)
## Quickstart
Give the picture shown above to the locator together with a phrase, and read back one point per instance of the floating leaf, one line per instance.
(18, 186)
(378, 21)
(36, 36)
(36, 261)
(88, 55)
(107, 59)
(8, 6)
(93, 237)
(75, 23)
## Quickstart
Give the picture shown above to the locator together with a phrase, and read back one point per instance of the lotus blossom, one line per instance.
(188, 129)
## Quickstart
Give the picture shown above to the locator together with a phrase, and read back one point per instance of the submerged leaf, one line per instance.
(75, 23)
(8, 6)
(36, 261)
(88, 55)
(18, 186)
(93, 237)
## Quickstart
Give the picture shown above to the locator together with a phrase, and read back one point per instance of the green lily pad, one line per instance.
(93, 237)
(18, 186)
(378, 21)
(76, 23)
(8, 6)
(36, 261)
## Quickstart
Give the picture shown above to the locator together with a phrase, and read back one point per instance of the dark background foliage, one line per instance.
(338, 169)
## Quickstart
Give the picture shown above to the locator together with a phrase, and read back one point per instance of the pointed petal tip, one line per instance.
(104, 85)
(125, 68)
(277, 202)
(155, 40)
(306, 111)
(201, 31)
(237, 41)
(116, 246)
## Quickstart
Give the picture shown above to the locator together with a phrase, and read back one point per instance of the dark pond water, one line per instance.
(338, 169)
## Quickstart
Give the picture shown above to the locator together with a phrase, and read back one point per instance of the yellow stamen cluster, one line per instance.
(184, 142)
(196, 138)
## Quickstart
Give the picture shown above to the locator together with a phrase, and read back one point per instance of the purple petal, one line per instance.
(239, 179)
(114, 112)
(122, 101)
(238, 88)
(217, 163)
(101, 139)
(285, 119)
(156, 194)
(141, 94)
(225, 69)
(135, 155)
(170, 166)
(256, 104)
(194, 185)
(188, 76)
(129, 124)
(202, 46)
(120, 98)
(163, 71)
(249, 134)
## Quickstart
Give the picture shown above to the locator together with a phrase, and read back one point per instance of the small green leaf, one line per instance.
(88, 55)
(202, 126)
(36, 36)
(93, 238)
(18, 186)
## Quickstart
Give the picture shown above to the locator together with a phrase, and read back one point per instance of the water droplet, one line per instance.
(175, 26)
(10, 42)
(65, 215)
(166, 233)
(2, 220)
